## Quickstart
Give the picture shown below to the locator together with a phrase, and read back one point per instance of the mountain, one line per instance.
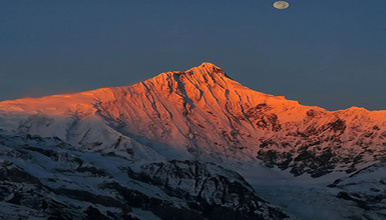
(203, 114)
(196, 140)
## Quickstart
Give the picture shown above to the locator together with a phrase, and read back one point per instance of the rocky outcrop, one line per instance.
(321, 148)
(216, 192)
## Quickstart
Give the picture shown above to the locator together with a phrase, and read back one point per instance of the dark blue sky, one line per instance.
(330, 53)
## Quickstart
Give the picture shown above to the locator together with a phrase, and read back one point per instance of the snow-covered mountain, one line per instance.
(169, 126)
(202, 113)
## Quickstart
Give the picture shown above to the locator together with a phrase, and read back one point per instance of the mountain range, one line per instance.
(188, 145)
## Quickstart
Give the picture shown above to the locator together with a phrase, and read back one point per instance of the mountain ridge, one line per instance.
(204, 68)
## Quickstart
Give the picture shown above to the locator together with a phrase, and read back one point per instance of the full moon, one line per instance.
(281, 5)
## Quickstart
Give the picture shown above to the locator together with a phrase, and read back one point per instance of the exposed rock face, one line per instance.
(47, 178)
(202, 113)
(366, 189)
(219, 193)
(344, 140)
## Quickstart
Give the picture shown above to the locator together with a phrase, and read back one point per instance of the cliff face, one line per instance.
(203, 114)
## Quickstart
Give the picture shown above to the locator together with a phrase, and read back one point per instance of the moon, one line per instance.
(281, 5)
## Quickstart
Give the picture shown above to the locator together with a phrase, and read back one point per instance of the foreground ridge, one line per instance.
(47, 179)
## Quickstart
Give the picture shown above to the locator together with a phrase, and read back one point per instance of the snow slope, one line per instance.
(366, 189)
(45, 178)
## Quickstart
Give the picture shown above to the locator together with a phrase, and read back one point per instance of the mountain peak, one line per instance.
(207, 68)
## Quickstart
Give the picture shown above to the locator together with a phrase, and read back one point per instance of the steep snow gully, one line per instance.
(193, 145)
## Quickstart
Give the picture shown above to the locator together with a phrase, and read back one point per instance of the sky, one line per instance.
(328, 53)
